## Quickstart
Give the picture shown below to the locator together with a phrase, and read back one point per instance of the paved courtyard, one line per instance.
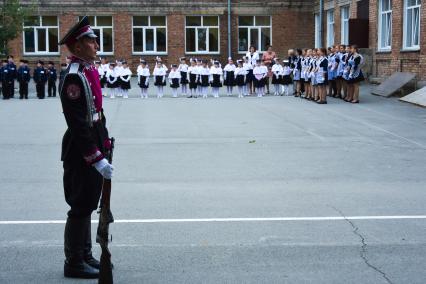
(270, 190)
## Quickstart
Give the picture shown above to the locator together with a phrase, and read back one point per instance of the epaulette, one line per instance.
(74, 68)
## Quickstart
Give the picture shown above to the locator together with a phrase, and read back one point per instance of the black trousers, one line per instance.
(11, 86)
(23, 90)
(51, 88)
(4, 90)
(40, 89)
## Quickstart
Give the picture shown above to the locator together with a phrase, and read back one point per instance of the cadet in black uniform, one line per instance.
(84, 147)
(4, 78)
(23, 78)
(51, 79)
(40, 78)
(13, 75)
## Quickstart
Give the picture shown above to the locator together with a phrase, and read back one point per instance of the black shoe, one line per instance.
(80, 270)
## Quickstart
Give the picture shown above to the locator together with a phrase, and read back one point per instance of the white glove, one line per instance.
(104, 168)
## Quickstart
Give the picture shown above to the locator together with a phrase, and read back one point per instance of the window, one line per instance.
(344, 29)
(102, 26)
(202, 34)
(254, 30)
(385, 24)
(41, 35)
(330, 27)
(412, 24)
(149, 35)
(317, 31)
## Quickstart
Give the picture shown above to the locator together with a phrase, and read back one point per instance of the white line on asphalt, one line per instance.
(200, 220)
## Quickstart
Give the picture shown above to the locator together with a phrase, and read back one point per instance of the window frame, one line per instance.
(405, 26)
(259, 32)
(149, 27)
(197, 52)
(35, 31)
(380, 25)
(330, 31)
(344, 22)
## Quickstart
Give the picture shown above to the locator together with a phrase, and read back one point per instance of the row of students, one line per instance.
(318, 73)
(41, 76)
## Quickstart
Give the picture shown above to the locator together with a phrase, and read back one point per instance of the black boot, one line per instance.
(88, 257)
(74, 242)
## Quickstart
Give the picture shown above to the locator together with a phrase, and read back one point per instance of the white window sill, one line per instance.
(149, 53)
(41, 53)
(384, 50)
(410, 49)
(202, 53)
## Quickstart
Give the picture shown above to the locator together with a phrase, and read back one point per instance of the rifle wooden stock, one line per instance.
(102, 236)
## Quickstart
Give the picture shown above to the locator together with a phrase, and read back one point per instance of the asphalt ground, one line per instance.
(228, 190)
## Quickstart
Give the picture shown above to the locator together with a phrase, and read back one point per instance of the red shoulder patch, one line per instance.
(73, 91)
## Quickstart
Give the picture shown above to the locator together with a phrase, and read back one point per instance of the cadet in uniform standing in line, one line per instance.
(84, 145)
(51, 79)
(4, 78)
(13, 75)
(40, 78)
(23, 78)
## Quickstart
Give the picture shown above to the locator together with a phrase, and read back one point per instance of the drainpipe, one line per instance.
(229, 29)
(321, 24)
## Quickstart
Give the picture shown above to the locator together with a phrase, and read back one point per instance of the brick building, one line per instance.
(169, 29)
(392, 32)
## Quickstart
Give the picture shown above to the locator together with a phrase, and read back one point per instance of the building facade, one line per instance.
(395, 34)
(169, 29)
(392, 33)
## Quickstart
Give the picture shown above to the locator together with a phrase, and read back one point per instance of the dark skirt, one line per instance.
(204, 82)
(358, 79)
(286, 80)
(192, 81)
(259, 83)
(184, 78)
(239, 81)
(103, 82)
(125, 85)
(325, 83)
(229, 81)
(142, 80)
(216, 81)
(159, 81)
(175, 83)
(250, 76)
(119, 82)
(113, 85)
(276, 79)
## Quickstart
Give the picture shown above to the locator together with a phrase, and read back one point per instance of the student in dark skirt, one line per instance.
(249, 78)
(229, 76)
(184, 80)
(174, 80)
(192, 74)
(204, 78)
(286, 77)
(112, 80)
(143, 78)
(216, 78)
(322, 75)
(260, 72)
(355, 74)
(240, 78)
(159, 73)
(125, 76)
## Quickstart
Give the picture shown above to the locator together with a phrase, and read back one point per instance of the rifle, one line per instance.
(102, 236)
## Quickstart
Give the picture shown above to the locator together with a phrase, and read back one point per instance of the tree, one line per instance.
(12, 15)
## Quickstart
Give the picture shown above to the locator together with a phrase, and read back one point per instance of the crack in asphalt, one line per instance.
(363, 251)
